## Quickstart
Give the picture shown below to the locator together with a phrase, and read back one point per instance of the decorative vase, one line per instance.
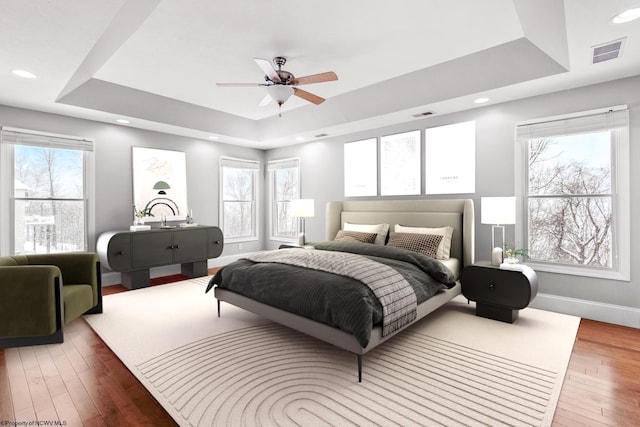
(511, 260)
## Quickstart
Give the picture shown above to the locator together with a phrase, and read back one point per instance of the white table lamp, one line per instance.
(497, 211)
(302, 208)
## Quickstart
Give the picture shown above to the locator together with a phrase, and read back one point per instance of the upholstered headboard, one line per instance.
(457, 213)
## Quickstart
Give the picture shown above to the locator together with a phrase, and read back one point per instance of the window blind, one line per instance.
(606, 119)
(283, 164)
(10, 135)
(239, 163)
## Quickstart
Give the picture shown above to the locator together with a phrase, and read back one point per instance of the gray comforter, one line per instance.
(332, 299)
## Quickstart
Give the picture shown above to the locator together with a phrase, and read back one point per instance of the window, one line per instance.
(576, 193)
(238, 208)
(46, 183)
(284, 182)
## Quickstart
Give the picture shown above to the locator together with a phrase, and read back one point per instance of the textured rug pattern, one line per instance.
(451, 368)
(271, 375)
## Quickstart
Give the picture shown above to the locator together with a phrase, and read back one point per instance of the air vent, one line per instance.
(426, 113)
(321, 135)
(607, 51)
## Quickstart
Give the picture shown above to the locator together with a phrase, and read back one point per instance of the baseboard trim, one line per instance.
(113, 278)
(603, 312)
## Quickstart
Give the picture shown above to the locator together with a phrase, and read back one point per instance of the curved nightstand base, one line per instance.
(499, 293)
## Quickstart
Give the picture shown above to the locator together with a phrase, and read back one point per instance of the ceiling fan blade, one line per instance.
(241, 84)
(265, 101)
(329, 76)
(308, 96)
(268, 69)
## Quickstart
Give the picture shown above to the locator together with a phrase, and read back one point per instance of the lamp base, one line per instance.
(496, 257)
(301, 239)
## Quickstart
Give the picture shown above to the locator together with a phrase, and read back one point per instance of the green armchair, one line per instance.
(40, 293)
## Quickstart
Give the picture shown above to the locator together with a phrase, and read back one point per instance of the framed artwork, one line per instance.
(361, 168)
(400, 164)
(159, 183)
(450, 159)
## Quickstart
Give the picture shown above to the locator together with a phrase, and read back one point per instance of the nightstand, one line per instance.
(499, 293)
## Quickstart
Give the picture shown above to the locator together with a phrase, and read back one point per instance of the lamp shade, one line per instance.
(280, 93)
(161, 185)
(302, 208)
(498, 210)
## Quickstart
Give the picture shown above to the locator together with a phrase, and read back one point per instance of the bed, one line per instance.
(455, 213)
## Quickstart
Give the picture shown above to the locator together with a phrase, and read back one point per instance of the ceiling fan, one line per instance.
(281, 84)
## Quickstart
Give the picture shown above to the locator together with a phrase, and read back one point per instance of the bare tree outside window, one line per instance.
(49, 205)
(285, 189)
(570, 199)
(238, 202)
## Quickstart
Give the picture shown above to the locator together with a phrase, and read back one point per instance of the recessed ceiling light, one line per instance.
(481, 100)
(213, 137)
(24, 74)
(123, 121)
(626, 16)
(300, 138)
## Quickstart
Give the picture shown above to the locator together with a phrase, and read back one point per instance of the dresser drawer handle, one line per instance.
(492, 286)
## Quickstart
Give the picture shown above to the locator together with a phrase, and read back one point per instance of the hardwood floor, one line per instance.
(81, 382)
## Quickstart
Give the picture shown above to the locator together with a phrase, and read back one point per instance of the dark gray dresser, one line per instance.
(133, 253)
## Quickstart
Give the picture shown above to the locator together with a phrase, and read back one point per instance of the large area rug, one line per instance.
(451, 368)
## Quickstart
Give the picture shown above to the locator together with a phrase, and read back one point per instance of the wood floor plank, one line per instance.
(26, 414)
(47, 416)
(38, 390)
(96, 391)
(84, 404)
(570, 418)
(66, 410)
(28, 357)
(74, 356)
(20, 394)
(6, 401)
(50, 373)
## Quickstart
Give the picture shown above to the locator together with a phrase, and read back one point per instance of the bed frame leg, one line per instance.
(359, 367)
(218, 308)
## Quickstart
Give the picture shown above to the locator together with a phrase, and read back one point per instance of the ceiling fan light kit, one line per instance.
(280, 93)
(281, 84)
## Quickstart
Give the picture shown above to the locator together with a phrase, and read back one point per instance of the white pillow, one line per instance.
(444, 248)
(381, 229)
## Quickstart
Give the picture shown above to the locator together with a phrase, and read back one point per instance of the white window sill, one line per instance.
(599, 273)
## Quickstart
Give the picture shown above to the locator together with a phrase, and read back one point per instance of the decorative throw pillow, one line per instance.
(444, 249)
(381, 229)
(424, 243)
(355, 236)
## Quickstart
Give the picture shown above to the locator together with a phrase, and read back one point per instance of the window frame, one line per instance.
(9, 137)
(578, 123)
(272, 166)
(248, 164)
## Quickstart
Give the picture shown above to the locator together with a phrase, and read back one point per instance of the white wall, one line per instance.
(608, 300)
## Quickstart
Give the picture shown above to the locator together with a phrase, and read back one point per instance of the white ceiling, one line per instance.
(156, 62)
